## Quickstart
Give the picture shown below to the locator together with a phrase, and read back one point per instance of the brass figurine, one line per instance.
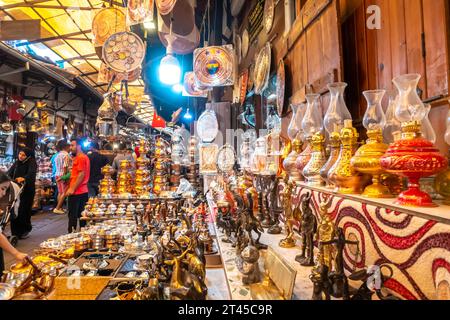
(326, 232)
(250, 268)
(289, 241)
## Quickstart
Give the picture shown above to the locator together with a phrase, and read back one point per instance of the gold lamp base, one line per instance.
(377, 190)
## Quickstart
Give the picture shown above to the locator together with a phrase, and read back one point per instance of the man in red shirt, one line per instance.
(78, 189)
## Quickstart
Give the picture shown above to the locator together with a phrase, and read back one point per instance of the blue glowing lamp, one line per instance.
(187, 115)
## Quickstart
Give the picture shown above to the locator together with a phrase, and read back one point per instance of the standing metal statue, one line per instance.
(326, 232)
(308, 230)
(289, 241)
(338, 277)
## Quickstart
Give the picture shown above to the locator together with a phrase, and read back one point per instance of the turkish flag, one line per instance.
(158, 122)
(12, 110)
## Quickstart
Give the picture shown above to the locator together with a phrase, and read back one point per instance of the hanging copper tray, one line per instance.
(238, 47)
(244, 84)
(190, 87)
(107, 22)
(124, 52)
(251, 77)
(214, 66)
(226, 158)
(139, 11)
(269, 12)
(245, 43)
(262, 69)
(165, 6)
(281, 86)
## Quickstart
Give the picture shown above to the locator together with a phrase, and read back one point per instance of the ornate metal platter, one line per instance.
(269, 12)
(165, 6)
(262, 69)
(124, 52)
(245, 43)
(139, 11)
(107, 22)
(280, 89)
(207, 126)
(226, 158)
(214, 66)
(190, 87)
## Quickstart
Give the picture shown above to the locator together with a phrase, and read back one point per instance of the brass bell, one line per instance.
(21, 128)
(34, 127)
(35, 115)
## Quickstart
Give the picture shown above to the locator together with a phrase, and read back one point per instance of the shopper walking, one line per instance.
(8, 192)
(62, 174)
(24, 171)
(98, 161)
(77, 192)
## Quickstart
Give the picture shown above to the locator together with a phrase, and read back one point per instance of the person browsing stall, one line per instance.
(98, 161)
(77, 192)
(62, 164)
(24, 171)
(8, 192)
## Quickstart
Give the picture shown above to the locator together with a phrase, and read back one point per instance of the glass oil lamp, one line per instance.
(427, 129)
(318, 159)
(442, 182)
(393, 126)
(367, 158)
(337, 111)
(311, 124)
(343, 175)
(334, 144)
(295, 133)
(413, 156)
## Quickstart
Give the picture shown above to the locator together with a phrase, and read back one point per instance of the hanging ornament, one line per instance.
(165, 6)
(269, 12)
(139, 11)
(262, 69)
(214, 66)
(124, 52)
(107, 22)
(280, 88)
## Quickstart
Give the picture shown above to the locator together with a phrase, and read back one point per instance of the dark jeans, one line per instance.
(76, 204)
(93, 190)
(22, 223)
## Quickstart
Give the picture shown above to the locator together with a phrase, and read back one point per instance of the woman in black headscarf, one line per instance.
(24, 172)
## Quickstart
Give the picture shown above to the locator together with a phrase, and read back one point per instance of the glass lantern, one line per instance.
(337, 111)
(295, 126)
(374, 118)
(409, 105)
(393, 127)
(312, 121)
(273, 121)
(427, 129)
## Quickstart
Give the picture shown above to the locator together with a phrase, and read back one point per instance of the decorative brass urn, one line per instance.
(303, 158)
(311, 172)
(367, 160)
(335, 146)
(343, 175)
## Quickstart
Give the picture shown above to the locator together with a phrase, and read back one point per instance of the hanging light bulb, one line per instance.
(169, 68)
(187, 115)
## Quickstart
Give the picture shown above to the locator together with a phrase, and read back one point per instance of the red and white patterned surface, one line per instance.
(417, 249)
